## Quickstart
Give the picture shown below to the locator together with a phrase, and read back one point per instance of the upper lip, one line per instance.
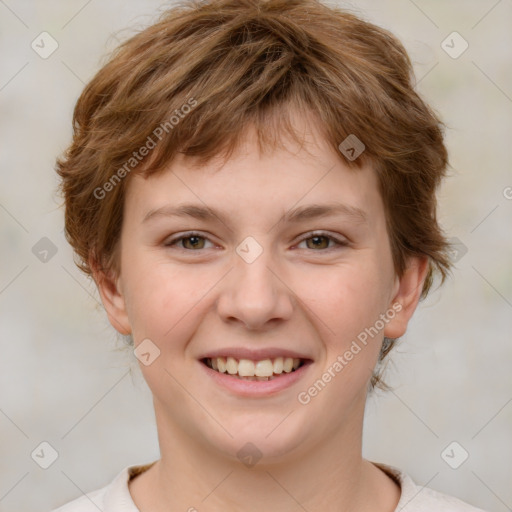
(254, 354)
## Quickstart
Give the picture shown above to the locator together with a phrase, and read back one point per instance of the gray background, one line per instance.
(64, 377)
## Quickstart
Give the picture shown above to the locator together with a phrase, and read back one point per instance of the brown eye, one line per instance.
(318, 242)
(189, 242)
(196, 242)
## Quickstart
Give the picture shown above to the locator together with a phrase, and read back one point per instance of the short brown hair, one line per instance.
(236, 63)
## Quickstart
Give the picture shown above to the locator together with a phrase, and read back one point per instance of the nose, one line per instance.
(255, 294)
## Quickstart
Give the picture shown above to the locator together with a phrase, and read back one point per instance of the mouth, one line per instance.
(250, 370)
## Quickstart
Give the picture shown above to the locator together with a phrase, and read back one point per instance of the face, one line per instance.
(293, 263)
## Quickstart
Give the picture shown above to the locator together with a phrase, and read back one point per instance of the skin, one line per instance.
(311, 297)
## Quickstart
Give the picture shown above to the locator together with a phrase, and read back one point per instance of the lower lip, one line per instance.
(256, 388)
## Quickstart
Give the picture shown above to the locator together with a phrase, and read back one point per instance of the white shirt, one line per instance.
(116, 497)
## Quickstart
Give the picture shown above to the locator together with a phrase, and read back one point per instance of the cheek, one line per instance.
(163, 299)
(345, 299)
(349, 308)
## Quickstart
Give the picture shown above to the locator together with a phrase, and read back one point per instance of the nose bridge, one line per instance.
(253, 276)
(253, 294)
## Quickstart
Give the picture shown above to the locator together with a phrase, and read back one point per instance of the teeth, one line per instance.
(288, 365)
(246, 368)
(254, 370)
(278, 365)
(231, 366)
(221, 364)
(263, 368)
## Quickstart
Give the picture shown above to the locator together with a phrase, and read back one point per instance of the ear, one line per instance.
(113, 300)
(407, 295)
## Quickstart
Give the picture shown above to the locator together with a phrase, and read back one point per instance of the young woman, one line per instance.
(251, 184)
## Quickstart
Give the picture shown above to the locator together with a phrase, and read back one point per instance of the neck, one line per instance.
(331, 476)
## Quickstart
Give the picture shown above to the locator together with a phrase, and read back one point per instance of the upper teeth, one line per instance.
(248, 368)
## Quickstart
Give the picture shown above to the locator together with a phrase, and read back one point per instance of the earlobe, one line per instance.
(113, 299)
(407, 296)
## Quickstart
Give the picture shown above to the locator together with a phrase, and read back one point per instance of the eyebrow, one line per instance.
(295, 215)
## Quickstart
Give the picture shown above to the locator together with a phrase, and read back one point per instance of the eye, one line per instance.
(189, 241)
(194, 241)
(321, 240)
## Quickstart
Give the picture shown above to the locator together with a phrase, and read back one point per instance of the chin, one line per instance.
(266, 442)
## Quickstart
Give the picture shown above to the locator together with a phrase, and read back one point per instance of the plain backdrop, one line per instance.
(64, 377)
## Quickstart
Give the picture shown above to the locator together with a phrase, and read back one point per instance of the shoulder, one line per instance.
(415, 498)
(114, 497)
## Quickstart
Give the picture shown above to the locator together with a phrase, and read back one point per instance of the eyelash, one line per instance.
(339, 242)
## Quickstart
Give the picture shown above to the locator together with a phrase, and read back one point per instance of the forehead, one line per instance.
(252, 183)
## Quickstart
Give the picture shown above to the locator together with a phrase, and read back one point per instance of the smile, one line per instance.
(247, 369)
